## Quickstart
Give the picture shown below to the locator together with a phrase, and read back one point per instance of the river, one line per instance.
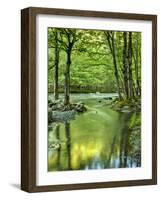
(99, 138)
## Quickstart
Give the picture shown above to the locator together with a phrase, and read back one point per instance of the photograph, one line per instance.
(89, 99)
(94, 99)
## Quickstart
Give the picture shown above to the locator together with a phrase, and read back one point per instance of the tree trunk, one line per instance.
(67, 79)
(110, 39)
(131, 93)
(125, 67)
(56, 67)
(138, 88)
(115, 67)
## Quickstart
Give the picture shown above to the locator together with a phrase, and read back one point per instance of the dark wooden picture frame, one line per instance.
(28, 98)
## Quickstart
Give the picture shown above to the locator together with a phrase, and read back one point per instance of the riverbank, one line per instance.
(84, 89)
(58, 112)
(126, 105)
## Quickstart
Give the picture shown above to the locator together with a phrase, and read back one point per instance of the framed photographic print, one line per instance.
(88, 99)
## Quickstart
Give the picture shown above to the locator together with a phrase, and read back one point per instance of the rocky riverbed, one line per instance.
(58, 112)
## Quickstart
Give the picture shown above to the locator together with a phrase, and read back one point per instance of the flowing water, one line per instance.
(99, 138)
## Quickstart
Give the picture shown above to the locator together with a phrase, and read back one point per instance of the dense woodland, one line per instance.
(87, 61)
(100, 126)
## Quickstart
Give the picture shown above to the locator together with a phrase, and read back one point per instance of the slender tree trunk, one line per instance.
(131, 93)
(67, 79)
(125, 67)
(71, 39)
(138, 88)
(110, 39)
(56, 67)
(115, 67)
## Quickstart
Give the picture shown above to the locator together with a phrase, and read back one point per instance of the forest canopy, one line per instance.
(87, 61)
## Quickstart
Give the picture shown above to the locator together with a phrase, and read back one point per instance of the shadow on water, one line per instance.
(95, 141)
(124, 142)
(59, 148)
(67, 133)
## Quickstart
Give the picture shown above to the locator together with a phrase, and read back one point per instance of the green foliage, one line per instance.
(91, 58)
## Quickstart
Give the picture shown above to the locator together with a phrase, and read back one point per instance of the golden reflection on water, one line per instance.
(97, 139)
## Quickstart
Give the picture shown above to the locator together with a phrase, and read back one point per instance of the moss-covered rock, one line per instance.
(126, 105)
(58, 112)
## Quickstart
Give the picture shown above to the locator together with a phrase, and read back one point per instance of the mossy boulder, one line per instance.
(126, 105)
(58, 112)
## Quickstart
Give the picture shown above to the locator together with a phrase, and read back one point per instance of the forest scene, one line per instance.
(94, 99)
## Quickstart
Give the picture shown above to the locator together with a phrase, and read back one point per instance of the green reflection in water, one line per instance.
(97, 139)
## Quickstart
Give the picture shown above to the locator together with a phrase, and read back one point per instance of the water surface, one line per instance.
(97, 139)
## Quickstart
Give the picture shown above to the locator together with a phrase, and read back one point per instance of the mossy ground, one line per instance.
(130, 105)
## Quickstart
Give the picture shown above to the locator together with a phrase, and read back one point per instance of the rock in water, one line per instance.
(58, 112)
(79, 107)
(108, 98)
(63, 116)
